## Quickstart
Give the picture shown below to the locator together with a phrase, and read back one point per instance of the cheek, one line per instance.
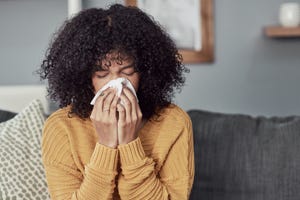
(97, 84)
(135, 82)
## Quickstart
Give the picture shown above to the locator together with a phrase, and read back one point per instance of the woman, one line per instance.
(122, 146)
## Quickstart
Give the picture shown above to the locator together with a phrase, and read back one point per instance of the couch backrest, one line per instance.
(239, 157)
(6, 115)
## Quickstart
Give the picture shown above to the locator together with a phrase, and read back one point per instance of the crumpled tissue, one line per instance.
(118, 85)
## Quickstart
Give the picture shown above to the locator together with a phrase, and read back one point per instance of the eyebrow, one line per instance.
(122, 68)
(128, 66)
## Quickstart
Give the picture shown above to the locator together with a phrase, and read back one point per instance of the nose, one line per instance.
(115, 76)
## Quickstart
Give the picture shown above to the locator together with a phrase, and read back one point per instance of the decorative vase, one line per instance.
(289, 14)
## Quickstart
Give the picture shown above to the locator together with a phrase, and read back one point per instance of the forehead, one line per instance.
(114, 57)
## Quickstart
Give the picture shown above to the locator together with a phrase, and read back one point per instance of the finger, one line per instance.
(99, 105)
(126, 105)
(113, 106)
(92, 116)
(107, 101)
(99, 101)
(121, 111)
(128, 93)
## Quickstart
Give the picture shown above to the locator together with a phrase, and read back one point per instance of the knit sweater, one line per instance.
(158, 165)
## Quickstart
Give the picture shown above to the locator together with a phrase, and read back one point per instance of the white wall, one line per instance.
(25, 31)
(251, 74)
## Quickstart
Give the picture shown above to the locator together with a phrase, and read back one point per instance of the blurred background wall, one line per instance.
(251, 74)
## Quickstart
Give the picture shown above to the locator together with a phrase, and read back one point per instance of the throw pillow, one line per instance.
(21, 170)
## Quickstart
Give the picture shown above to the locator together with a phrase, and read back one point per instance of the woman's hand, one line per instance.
(130, 117)
(104, 118)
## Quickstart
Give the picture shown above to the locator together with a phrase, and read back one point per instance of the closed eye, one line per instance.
(129, 74)
(128, 71)
(101, 74)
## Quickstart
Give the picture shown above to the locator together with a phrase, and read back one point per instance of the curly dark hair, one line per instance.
(88, 37)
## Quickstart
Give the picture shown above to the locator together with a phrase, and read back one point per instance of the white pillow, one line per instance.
(21, 171)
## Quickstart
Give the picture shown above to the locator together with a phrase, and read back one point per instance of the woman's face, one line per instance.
(116, 70)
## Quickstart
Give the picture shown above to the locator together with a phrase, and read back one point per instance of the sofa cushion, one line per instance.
(22, 175)
(239, 157)
(6, 115)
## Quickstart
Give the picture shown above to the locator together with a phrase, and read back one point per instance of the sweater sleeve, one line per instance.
(174, 180)
(65, 180)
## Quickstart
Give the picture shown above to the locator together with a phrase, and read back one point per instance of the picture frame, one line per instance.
(200, 48)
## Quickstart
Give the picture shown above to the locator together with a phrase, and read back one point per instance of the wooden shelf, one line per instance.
(283, 32)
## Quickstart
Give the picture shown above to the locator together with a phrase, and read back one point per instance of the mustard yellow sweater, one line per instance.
(158, 165)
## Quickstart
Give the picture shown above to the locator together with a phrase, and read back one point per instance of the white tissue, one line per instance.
(118, 85)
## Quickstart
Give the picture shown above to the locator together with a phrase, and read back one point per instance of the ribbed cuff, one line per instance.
(132, 152)
(104, 157)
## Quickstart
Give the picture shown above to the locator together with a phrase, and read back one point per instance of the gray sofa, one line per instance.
(6, 115)
(239, 157)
